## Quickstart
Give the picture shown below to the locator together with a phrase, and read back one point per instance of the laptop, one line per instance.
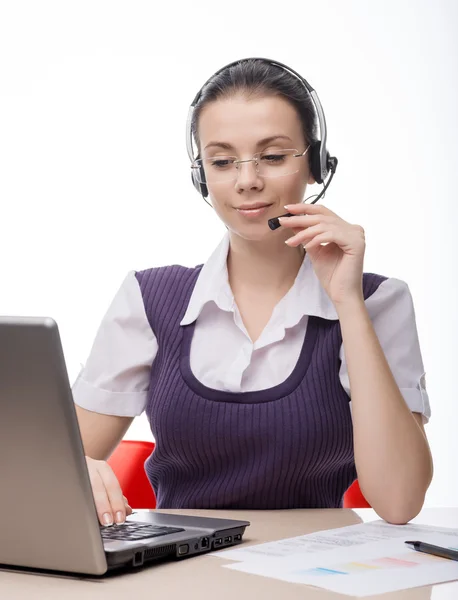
(48, 518)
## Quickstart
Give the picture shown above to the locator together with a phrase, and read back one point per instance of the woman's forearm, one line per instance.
(392, 455)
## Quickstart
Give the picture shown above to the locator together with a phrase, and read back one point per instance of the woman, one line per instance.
(246, 365)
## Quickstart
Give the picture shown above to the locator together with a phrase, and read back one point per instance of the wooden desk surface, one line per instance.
(202, 577)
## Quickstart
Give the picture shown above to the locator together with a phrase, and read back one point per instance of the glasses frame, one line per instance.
(255, 159)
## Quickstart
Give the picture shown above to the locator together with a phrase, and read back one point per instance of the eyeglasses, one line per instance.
(219, 169)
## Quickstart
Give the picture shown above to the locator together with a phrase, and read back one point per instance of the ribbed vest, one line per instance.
(289, 446)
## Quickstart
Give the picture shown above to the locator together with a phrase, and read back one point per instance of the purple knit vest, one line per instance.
(290, 446)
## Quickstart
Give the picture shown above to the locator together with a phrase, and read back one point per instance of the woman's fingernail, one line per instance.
(287, 206)
(287, 242)
(119, 517)
(107, 519)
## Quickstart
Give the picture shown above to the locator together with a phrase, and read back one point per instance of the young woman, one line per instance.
(277, 372)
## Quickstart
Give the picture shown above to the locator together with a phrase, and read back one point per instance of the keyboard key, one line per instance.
(136, 531)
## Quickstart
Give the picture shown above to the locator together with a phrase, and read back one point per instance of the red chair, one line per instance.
(127, 462)
(353, 497)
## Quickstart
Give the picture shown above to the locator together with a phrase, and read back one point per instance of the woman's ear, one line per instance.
(311, 179)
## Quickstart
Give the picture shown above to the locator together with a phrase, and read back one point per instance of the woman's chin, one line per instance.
(259, 232)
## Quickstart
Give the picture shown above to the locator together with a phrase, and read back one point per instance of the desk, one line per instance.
(202, 577)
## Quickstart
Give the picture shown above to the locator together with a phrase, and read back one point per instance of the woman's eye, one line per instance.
(221, 163)
(273, 158)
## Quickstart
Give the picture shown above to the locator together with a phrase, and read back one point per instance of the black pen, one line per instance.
(436, 550)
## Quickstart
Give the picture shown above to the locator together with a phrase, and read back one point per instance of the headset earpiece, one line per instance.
(200, 187)
(315, 162)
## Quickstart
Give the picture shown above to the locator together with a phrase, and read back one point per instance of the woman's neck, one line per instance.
(264, 265)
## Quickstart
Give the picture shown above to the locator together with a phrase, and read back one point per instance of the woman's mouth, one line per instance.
(252, 211)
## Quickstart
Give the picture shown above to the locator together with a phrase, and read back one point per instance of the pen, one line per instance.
(436, 550)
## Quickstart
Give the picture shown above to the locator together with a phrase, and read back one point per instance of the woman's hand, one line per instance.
(112, 506)
(339, 264)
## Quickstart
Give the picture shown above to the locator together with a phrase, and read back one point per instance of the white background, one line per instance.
(94, 175)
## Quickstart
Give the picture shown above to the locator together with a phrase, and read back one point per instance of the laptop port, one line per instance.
(138, 559)
(183, 549)
(218, 542)
(228, 539)
(237, 537)
(205, 542)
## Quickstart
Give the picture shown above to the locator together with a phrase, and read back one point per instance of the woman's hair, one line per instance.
(255, 78)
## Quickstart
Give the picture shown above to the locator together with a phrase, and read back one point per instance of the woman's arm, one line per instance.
(392, 455)
(101, 433)
(112, 388)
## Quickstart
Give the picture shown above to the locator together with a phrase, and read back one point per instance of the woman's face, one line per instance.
(237, 127)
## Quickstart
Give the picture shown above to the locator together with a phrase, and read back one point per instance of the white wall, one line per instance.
(94, 176)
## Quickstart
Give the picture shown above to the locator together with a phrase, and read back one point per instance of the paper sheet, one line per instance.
(363, 559)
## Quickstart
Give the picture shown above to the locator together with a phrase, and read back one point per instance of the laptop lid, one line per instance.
(43, 473)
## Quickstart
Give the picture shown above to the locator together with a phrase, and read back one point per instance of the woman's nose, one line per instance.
(248, 176)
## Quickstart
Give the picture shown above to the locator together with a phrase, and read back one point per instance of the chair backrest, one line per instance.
(128, 461)
(128, 464)
(353, 497)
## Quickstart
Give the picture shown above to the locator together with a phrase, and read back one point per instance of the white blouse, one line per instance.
(116, 376)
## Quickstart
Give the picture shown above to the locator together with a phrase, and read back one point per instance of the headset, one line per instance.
(321, 163)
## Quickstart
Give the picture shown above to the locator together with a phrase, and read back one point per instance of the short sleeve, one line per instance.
(392, 314)
(116, 376)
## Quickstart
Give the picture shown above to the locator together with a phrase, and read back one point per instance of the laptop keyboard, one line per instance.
(135, 531)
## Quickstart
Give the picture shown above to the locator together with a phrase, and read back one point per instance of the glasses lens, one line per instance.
(278, 163)
(216, 169)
